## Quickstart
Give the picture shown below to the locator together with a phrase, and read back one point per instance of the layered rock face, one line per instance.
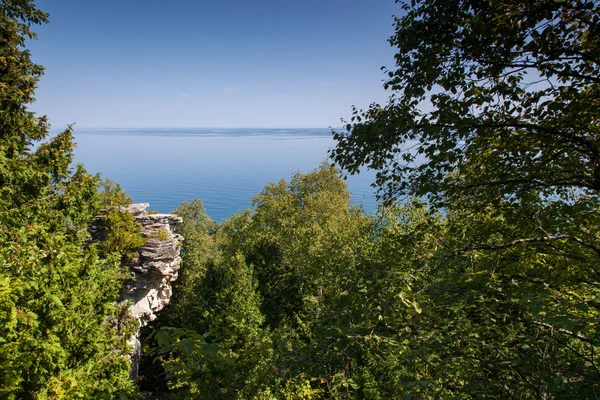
(153, 270)
(156, 267)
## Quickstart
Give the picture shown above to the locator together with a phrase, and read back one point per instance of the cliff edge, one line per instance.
(157, 266)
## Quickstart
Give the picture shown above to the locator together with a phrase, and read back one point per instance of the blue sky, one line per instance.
(232, 63)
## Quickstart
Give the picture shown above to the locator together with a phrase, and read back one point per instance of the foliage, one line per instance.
(117, 231)
(62, 334)
(421, 309)
(215, 296)
(494, 117)
(121, 234)
(112, 195)
(219, 362)
(495, 96)
(260, 279)
(300, 235)
(197, 251)
(487, 289)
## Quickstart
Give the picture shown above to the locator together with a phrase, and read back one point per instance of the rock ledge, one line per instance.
(157, 266)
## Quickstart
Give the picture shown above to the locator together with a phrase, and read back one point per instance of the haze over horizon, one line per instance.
(268, 64)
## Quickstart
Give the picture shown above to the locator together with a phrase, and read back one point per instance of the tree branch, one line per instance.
(541, 239)
(565, 331)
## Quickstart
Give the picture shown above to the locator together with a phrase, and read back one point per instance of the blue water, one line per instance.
(223, 167)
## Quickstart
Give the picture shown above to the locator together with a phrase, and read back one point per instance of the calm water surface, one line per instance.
(223, 167)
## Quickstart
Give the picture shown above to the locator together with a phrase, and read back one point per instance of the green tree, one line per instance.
(211, 336)
(493, 116)
(254, 285)
(357, 345)
(198, 250)
(498, 95)
(301, 233)
(219, 354)
(59, 334)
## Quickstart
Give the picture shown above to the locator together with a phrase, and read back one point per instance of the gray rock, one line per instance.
(136, 209)
(157, 265)
(155, 268)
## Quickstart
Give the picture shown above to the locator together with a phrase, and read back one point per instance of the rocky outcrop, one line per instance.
(156, 267)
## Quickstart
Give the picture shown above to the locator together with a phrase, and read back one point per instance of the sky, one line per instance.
(220, 63)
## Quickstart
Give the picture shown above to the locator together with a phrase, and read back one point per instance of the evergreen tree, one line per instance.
(59, 334)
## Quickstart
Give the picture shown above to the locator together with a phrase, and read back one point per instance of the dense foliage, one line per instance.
(494, 116)
(281, 303)
(62, 334)
(253, 287)
(496, 96)
(488, 289)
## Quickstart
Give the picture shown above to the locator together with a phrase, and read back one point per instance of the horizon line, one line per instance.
(76, 127)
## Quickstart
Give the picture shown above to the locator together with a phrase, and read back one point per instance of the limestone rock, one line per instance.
(156, 266)
(136, 209)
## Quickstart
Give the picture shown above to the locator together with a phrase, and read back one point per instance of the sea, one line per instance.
(224, 168)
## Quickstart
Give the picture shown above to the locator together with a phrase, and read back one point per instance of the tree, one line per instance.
(198, 251)
(254, 286)
(209, 333)
(62, 334)
(301, 233)
(487, 96)
(494, 119)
